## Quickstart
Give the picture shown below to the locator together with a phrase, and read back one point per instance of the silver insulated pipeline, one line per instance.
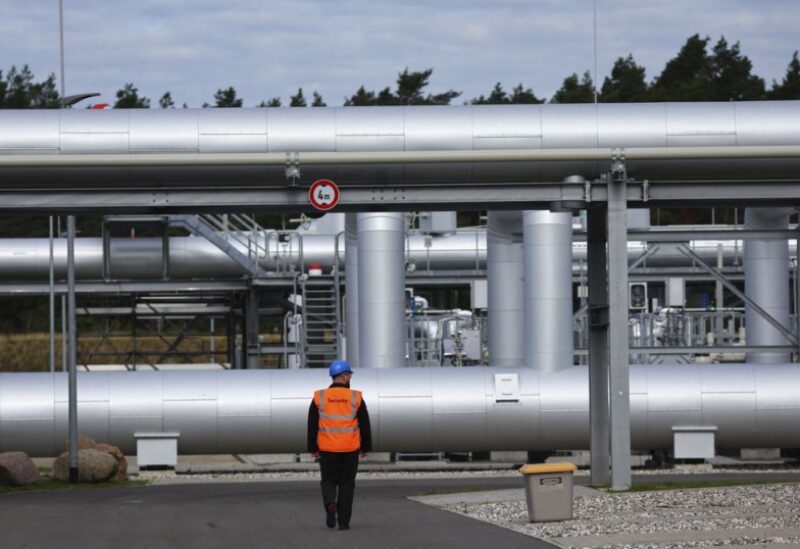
(164, 149)
(412, 409)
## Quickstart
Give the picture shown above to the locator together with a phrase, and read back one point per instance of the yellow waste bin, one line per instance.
(548, 490)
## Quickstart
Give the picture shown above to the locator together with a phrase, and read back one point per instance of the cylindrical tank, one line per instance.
(766, 271)
(548, 289)
(412, 409)
(381, 290)
(505, 280)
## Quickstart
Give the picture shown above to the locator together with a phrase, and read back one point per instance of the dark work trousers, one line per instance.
(339, 482)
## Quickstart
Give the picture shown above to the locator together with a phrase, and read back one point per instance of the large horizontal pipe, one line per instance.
(192, 257)
(485, 144)
(412, 409)
(398, 157)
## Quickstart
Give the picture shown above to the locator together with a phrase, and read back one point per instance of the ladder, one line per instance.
(320, 319)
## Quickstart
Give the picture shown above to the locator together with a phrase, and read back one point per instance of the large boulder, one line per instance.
(93, 466)
(122, 463)
(17, 469)
(87, 443)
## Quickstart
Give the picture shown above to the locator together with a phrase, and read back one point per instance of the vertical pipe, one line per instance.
(231, 339)
(212, 344)
(381, 291)
(548, 290)
(64, 345)
(766, 264)
(73, 342)
(796, 267)
(505, 274)
(52, 342)
(351, 286)
(719, 299)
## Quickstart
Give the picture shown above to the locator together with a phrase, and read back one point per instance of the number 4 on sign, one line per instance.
(323, 194)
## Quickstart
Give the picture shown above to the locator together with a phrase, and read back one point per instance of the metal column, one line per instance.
(72, 391)
(250, 333)
(618, 368)
(51, 358)
(351, 287)
(598, 343)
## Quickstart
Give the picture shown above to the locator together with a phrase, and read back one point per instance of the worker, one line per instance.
(338, 433)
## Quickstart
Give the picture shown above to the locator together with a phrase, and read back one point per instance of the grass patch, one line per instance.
(47, 484)
(656, 486)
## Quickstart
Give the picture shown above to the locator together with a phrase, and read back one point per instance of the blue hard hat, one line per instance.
(339, 367)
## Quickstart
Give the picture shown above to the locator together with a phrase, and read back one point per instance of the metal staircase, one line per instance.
(320, 314)
(238, 235)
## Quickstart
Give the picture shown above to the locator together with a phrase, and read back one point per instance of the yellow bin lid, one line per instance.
(544, 468)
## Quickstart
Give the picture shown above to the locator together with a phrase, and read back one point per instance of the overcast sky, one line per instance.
(270, 48)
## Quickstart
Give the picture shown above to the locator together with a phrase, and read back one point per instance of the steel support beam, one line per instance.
(74, 475)
(598, 343)
(251, 345)
(618, 370)
(671, 235)
(389, 196)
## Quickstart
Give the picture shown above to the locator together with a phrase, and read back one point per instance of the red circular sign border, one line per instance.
(320, 182)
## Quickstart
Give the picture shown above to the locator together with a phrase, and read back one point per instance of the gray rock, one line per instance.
(88, 443)
(122, 463)
(93, 466)
(17, 469)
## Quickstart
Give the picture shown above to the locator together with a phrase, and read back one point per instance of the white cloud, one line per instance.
(192, 48)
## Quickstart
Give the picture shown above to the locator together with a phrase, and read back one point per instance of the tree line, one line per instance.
(698, 72)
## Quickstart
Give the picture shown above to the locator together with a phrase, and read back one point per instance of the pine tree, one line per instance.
(790, 87)
(227, 98)
(731, 75)
(166, 101)
(128, 98)
(574, 90)
(410, 86)
(318, 101)
(298, 99)
(626, 84)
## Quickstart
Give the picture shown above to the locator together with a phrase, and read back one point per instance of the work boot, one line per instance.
(330, 516)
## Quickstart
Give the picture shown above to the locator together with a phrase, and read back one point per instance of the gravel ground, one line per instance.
(170, 477)
(661, 513)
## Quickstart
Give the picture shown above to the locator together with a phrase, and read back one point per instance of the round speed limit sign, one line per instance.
(323, 194)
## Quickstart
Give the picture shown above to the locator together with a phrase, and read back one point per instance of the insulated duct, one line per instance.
(381, 290)
(136, 132)
(351, 287)
(766, 271)
(191, 257)
(414, 409)
(506, 288)
(548, 290)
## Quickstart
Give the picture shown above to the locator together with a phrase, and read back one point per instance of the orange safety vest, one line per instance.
(338, 425)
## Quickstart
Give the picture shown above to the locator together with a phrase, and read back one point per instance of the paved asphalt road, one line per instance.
(274, 515)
